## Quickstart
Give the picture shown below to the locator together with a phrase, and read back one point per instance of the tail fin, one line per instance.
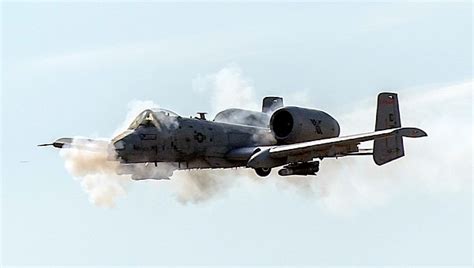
(388, 116)
(270, 104)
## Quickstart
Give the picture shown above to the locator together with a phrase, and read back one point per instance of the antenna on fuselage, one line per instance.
(202, 116)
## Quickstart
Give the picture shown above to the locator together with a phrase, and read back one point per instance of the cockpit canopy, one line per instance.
(152, 118)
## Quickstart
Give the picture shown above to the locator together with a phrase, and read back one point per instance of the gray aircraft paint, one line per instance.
(287, 136)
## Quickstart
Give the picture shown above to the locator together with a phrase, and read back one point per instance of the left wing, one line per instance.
(303, 151)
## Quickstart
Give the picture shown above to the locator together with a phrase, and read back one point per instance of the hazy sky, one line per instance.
(73, 69)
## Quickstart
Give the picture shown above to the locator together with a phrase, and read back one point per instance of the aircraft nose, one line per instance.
(119, 145)
(119, 140)
(119, 148)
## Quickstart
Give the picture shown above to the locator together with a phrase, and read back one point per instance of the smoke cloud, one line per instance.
(228, 89)
(195, 186)
(95, 172)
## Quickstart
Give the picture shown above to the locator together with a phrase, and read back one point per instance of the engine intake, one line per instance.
(282, 124)
(294, 124)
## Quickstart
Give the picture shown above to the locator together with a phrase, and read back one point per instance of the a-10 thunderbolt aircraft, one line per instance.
(290, 137)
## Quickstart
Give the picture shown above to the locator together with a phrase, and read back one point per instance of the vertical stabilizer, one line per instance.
(388, 116)
(270, 104)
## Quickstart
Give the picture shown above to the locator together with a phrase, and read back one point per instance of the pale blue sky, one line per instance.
(71, 69)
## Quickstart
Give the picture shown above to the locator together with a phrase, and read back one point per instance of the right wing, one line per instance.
(304, 147)
(272, 156)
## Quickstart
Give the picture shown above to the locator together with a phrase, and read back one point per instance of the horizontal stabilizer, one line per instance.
(412, 132)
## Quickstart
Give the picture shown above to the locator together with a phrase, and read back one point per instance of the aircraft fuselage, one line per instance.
(196, 143)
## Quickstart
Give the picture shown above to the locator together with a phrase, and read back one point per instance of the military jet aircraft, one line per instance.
(287, 137)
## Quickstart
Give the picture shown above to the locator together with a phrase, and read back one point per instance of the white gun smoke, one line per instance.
(95, 172)
(227, 89)
(439, 163)
(97, 168)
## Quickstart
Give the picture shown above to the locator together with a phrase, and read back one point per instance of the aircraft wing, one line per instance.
(304, 147)
(79, 143)
(305, 151)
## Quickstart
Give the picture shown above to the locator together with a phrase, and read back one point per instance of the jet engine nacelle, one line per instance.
(294, 124)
